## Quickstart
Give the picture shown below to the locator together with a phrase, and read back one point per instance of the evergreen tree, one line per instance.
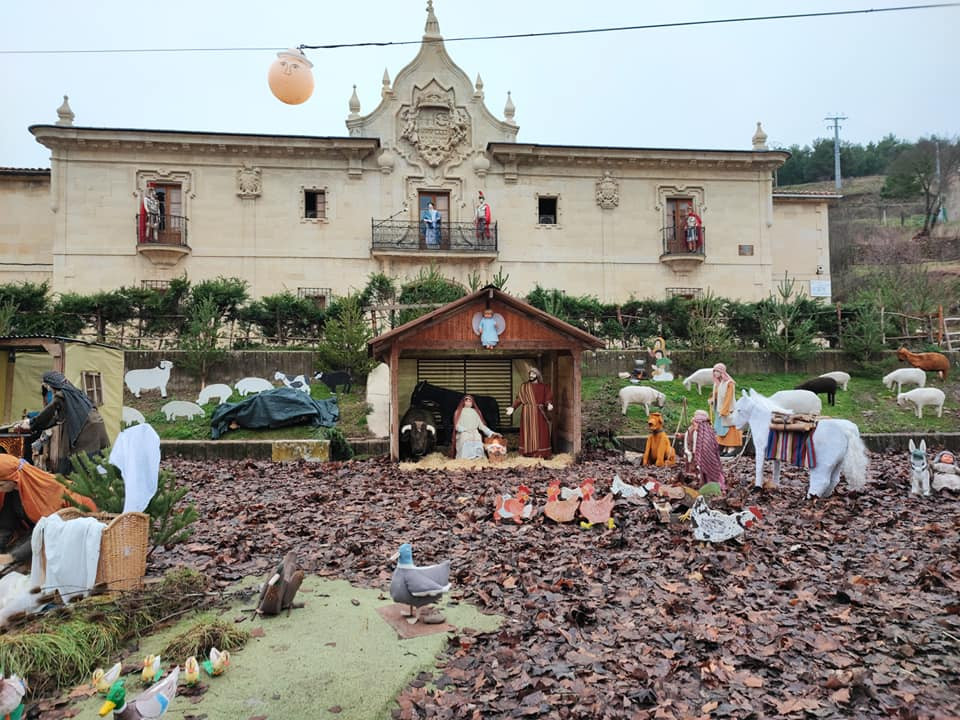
(786, 330)
(345, 337)
(200, 341)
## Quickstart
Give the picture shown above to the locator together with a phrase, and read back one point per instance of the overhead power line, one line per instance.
(514, 36)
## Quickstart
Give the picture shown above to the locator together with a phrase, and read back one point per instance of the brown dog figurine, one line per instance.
(659, 450)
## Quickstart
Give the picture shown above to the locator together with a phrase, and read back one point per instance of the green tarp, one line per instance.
(273, 409)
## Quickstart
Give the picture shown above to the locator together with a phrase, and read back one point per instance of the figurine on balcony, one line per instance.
(693, 225)
(431, 220)
(483, 218)
(488, 326)
(151, 216)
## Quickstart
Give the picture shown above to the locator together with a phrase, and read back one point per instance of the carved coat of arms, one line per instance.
(608, 191)
(434, 125)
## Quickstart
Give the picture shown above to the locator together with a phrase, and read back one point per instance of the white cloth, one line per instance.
(72, 551)
(136, 454)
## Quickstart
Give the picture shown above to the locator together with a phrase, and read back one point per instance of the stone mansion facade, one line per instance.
(316, 215)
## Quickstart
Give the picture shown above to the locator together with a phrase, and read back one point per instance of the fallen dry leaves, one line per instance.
(847, 607)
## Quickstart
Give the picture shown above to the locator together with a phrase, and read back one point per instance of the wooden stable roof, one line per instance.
(450, 328)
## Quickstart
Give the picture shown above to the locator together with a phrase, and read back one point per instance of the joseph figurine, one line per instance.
(536, 399)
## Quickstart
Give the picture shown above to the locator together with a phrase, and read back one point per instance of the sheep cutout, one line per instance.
(131, 416)
(798, 401)
(181, 409)
(218, 390)
(149, 379)
(701, 378)
(923, 397)
(298, 382)
(841, 377)
(640, 395)
(905, 376)
(252, 386)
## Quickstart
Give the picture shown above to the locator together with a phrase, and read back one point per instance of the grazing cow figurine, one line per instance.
(418, 433)
(822, 385)
(298, 382)
(905, 376)
(181, 408)
(932, 361)
(149, 379)
(333, 380)
(701, 378)
(919, 397)
(640, 395)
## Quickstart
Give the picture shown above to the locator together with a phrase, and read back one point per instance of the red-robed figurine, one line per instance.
(536, 399)
(692, 231)
(483, 218)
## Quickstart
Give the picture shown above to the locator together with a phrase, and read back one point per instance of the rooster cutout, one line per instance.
(488, 325)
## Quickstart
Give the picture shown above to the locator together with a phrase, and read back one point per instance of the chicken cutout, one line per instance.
(595, 512)
(489, 326)
(561, 511)
(715, 526)
(518, 508)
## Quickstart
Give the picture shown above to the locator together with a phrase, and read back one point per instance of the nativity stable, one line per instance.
(485, 344)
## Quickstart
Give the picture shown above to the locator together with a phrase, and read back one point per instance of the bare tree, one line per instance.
(925, 169)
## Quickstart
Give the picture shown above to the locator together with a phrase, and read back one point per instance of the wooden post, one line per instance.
(394, 403)
(839, 326)
(883, 334)
(940, 328)
(576, 420)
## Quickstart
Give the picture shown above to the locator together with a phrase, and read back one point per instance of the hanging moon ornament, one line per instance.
(290, 77)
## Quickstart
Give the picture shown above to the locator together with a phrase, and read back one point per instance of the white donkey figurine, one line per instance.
(919, 469)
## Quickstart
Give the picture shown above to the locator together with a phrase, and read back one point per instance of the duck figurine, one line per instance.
(152, 669)
(418, 586)
(218, 662)
(151, 703)
(514, 508)
(102, 681)
(12, 690)
(191, 672)
(561, 511)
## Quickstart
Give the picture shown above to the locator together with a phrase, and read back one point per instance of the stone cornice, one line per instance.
(176, 141)
(516, 154)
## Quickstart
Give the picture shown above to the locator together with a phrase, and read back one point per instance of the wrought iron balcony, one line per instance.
(679, 252)
(389, 236)
(162, 238)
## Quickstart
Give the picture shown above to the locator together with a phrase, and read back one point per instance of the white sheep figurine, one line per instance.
(252, 386)
(923, 397)
(218, 390)
(640, 395)
(298, 382)
(149, 379)
(841, 377)
(701, 378)
(131, 416)
(905, 376)
(181, 408)
(798, 401)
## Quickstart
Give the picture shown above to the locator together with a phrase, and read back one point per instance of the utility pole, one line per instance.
(838, 183)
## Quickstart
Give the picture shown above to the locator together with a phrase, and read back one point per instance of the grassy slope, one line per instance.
(867, 403)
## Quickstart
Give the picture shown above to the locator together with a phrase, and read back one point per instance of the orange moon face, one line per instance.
(290, 77)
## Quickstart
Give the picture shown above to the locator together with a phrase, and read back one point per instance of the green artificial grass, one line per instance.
(866, 402)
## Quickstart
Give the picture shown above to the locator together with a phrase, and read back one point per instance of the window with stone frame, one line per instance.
(313, 202)
(547, 209)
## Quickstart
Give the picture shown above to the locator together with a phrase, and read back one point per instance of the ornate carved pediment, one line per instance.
(433, 127)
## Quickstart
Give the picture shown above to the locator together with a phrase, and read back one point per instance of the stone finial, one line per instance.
(760, 139)
(387, 161)
(481, 164)
(478, 87)
(509, 110)
(64, 113)
(432, 28)
(354, 104)
(385, 90)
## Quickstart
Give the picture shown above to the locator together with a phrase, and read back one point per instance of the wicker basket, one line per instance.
(12, 444)
(123, 547)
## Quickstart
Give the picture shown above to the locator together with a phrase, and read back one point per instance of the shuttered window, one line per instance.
(482, 376)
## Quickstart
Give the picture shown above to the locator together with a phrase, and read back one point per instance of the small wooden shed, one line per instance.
(442, 348)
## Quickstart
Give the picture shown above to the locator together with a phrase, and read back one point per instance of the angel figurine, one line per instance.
(488, 325)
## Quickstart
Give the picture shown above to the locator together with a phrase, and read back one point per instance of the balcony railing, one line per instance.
(414, 237)
(171, 230)
(675, 241)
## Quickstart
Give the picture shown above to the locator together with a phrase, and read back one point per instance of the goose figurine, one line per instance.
(218, 663)
(191, 672)
(12, 690)
(152, 669)
(102, 681)
(418, 586)
(151, 703)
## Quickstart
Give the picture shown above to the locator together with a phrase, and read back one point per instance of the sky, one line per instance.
(699, 87)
